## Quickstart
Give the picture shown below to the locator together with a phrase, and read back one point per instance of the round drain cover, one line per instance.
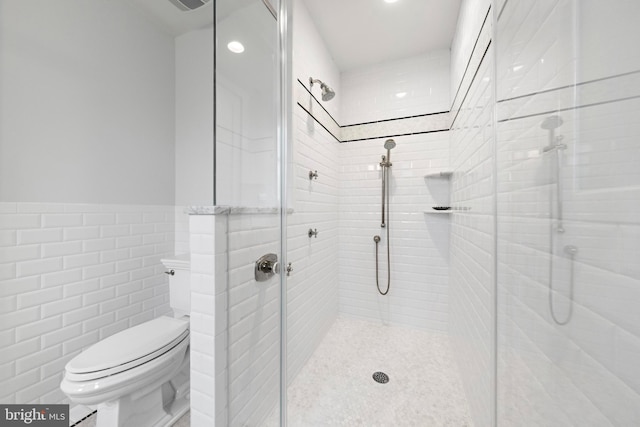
(381, 377)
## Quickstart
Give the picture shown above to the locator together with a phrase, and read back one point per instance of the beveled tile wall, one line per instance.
(74, 274)
(471, 282)
(584, 372)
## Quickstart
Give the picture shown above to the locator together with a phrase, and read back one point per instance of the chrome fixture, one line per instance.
(555, 146)
(572, 252)
(551, 123)
(170, 272)
(313, 233)
(189, 4)
(266, 267)
(313, 175)
(289, 269)
(385, 164)
(327, 92)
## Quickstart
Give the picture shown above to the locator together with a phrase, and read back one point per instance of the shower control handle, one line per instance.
(313, 233)
(289, 269)
(266, 267)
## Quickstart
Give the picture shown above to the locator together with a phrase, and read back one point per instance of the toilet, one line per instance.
(140, 376)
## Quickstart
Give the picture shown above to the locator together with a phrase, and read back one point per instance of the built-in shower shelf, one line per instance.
(442, 174)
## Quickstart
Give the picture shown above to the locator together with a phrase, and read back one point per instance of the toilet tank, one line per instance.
(178, 268)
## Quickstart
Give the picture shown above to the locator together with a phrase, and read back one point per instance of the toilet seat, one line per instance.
(128, 349)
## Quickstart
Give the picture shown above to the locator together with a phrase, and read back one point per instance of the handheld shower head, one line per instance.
(551, 122)
(327, 92)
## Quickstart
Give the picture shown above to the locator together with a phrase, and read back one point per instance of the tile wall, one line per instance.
(472, 283)
(419, 240)
(74, 274)
(396, 89)
(584, 372)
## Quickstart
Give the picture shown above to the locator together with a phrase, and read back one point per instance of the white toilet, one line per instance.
(140, 376)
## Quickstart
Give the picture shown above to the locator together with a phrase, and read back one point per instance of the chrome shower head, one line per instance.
(389, 144)
(327, 92)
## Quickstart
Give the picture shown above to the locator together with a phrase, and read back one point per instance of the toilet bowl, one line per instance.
(140, 376)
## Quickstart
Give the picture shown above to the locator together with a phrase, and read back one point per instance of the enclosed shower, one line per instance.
(516, 301)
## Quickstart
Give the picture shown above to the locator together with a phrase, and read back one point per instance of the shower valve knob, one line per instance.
(289, 269)
(313, 175)
(313, 233)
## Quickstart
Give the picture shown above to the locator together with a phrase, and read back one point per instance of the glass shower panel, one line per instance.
(568, 83)
(247, 200)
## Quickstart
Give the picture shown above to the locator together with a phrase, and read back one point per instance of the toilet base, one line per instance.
(153, 406)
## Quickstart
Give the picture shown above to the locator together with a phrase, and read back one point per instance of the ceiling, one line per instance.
(173, 20)
(364, 32)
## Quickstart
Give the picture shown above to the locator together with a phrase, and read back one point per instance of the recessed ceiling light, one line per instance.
(390, 1)
(401, 94)
(235, 47)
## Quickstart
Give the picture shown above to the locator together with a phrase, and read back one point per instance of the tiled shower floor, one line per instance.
(335, 387)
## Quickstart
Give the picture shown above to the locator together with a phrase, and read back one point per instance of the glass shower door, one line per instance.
(247, 177)
(568, 201)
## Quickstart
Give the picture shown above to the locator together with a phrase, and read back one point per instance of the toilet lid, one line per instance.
(130, 345)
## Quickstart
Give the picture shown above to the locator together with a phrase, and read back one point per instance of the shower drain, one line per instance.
(381, 377)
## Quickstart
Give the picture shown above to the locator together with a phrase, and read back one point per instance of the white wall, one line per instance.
(246, 154)
(472, 275)
(71, 275)
(585, 372)
(86, 137)
(470, 19)
(312, 288)
(86, 110)
(419, 241)
(395, 89)
(194, 118)
(312, 59)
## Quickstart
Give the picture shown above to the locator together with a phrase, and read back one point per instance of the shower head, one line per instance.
(327, 92)
(551, 122)
(389, 144)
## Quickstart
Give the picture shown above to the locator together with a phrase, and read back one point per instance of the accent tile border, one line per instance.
(412, 125)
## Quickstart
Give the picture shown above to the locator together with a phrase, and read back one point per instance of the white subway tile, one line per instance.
(50, 250)
(61, 220)
(16, 286)
(38, 328)
(26, 237)
(36, 359)
(39, 297)
(19, 253)
(19, 221)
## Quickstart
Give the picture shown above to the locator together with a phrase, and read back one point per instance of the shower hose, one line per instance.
(385, 183)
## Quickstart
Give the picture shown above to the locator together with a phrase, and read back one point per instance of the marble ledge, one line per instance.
(232, 210)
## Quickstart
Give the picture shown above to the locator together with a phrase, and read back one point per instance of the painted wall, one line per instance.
(85, 119)
(585, 372)
(194, 118)
(86, 183)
